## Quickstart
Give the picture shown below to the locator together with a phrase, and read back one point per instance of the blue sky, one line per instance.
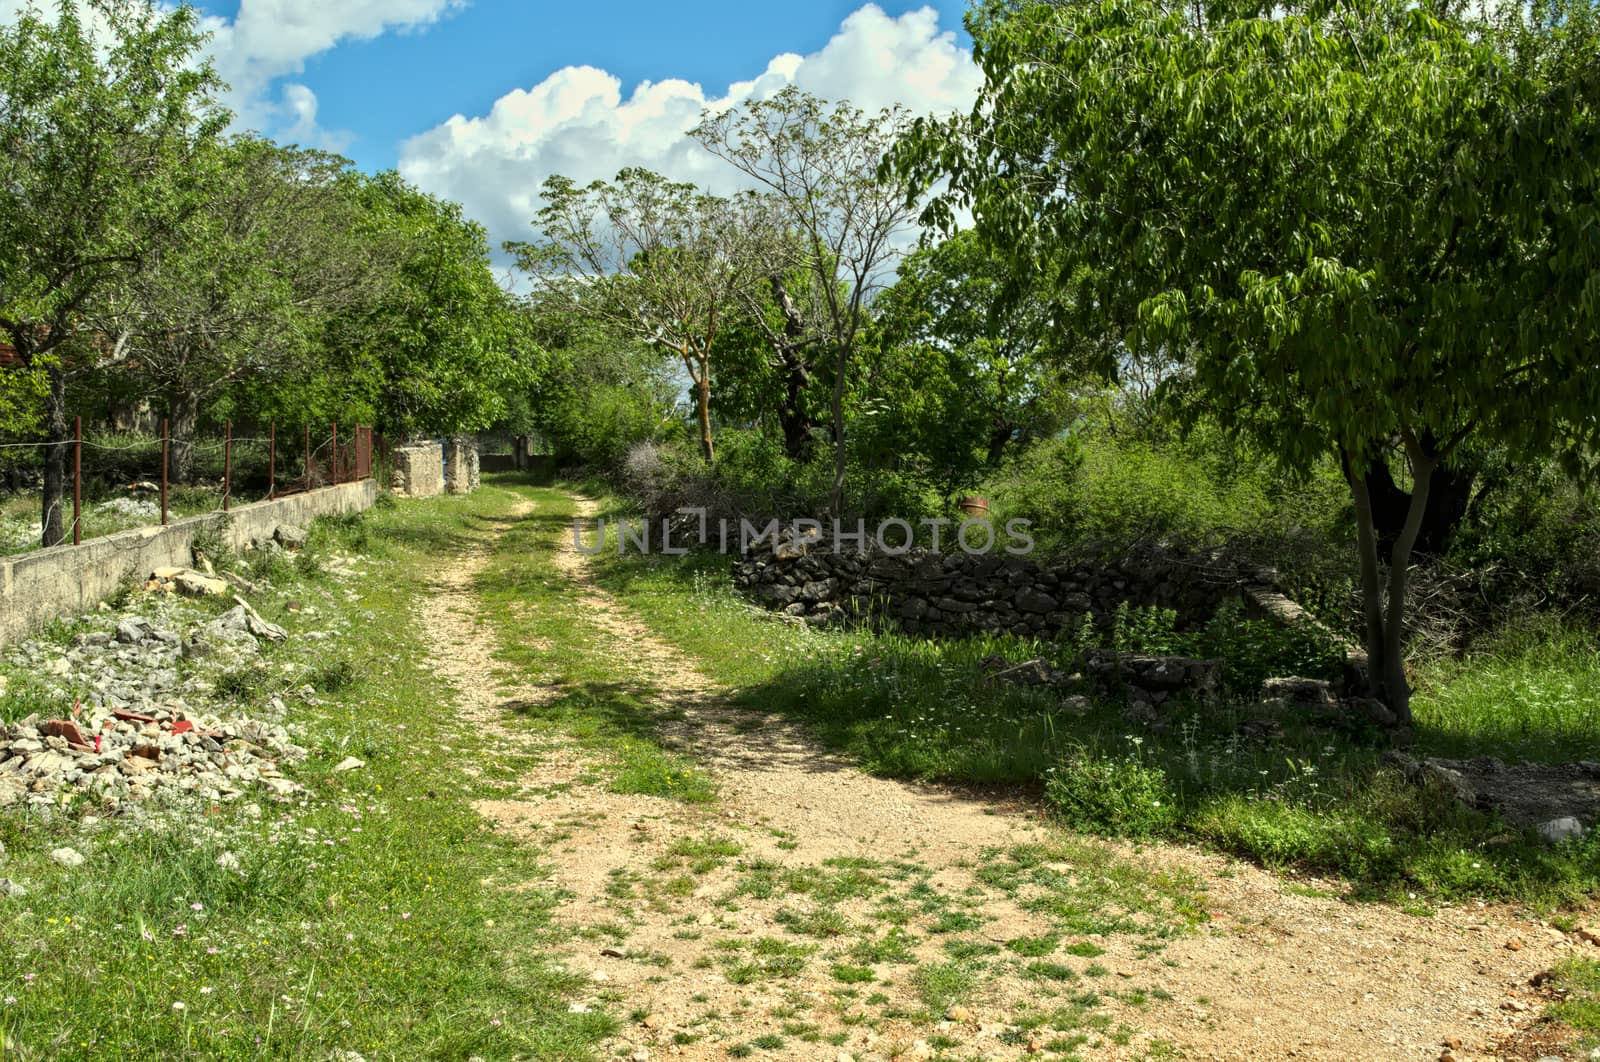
(480, 100)
(375, 93)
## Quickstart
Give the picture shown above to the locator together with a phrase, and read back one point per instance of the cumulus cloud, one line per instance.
(271, 39)
(578, 122)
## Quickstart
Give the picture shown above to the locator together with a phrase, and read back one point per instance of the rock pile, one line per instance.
(929, 593)
(114, 717)
(114, 755)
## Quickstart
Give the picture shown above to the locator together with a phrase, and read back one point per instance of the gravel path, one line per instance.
(829, 859)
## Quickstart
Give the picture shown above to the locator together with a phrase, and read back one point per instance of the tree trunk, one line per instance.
(58, 450)
(702, 396)
(1384, 606)
(1397, 691)
(792, 417)
(836, 496)
(183, 414)
(999, 438)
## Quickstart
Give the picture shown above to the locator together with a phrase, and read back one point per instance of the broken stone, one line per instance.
(67, 857)
(196, 585)
(1565, 828)
(290, 536)
(349, 763)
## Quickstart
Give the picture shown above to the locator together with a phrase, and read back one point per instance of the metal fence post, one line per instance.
(333, 466)
(164, 445)
(272, 459)
(227, 464)
(77, 480)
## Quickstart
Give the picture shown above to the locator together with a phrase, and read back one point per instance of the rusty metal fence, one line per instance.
(279, 463)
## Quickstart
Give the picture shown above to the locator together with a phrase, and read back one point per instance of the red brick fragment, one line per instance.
(182, 726)
(132, 717)
(65, 728)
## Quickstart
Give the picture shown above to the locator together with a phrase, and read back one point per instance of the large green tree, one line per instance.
(1365, 228)
(959, 300)
(241, 294)
(436, 348)
(101, 113)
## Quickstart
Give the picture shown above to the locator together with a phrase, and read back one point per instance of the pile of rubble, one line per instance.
(115, 721)
(114, 755)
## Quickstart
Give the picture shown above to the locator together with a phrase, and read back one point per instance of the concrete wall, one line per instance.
(418, 469)
(40, 586)
(461, 471)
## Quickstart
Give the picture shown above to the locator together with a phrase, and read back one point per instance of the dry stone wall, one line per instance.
(928, 593)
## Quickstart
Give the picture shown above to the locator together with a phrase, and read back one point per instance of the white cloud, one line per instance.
(577, 122)
(273, 39)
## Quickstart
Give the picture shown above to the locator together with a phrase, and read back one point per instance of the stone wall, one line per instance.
(418, 469)
(40, 586)
(951, 593)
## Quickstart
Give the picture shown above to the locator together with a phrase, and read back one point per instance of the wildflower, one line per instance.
(197, 907)
(178, 1006)
(180, 931)
(10, 1000)
(206, 990)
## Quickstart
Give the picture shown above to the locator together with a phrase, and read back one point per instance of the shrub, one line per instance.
(1112, 795)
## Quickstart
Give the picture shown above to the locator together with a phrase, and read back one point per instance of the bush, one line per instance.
(1112, 795)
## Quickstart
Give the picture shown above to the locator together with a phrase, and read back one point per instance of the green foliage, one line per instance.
(1290, 240)
(1116, 795)
(440, 345)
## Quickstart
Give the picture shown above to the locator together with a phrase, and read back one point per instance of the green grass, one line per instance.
(1580, 980)
(1549, 673)
(1313, 797)
(942, 985)
(367, 915)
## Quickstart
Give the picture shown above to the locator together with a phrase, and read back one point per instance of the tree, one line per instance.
(243, 289)
(822, 166)
(438, 347)
(958, 297)
(1363, 229)
(97, 130)
(663, 261)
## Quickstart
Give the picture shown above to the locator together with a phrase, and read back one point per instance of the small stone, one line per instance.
(577, 1008)
(1513, 945)
(11, 890)
(290, 536)
(67, 857)
(1565, 828)
(349, 763)
(650, 1021)
(958, 1014)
